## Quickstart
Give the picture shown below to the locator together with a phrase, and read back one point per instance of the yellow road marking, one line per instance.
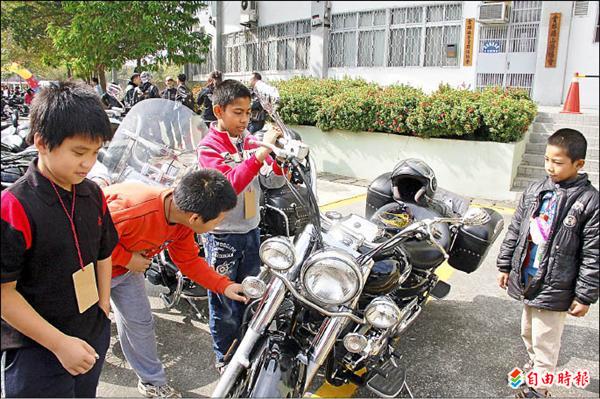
(344, 391)
(344, 202)
(501, 209)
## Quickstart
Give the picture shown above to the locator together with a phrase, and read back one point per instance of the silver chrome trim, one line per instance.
(318, 308)
(261, 319)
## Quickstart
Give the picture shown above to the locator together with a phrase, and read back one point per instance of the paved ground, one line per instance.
(462, 346)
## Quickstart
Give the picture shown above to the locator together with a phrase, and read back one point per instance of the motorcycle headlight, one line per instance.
(382, 312)
(278, 253)
(253, 287)
(331, 277)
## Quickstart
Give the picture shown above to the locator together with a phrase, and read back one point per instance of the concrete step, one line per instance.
(520, 182)
(539, 149)
(542, 137)
(544, 127)
(580, 119)
(539, 172)
(537, 160)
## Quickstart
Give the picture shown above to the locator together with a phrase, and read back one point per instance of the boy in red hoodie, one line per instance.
(232, 247)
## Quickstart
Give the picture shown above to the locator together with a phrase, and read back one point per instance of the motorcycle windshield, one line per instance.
(155, 143)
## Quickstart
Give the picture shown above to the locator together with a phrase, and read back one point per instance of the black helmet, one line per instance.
(413, 181)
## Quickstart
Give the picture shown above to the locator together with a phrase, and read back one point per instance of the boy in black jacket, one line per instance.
(549, 257)
(57, 240)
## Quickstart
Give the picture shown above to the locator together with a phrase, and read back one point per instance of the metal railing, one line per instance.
(276, 47)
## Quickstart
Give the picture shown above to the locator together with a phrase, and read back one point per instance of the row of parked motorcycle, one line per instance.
(336, 292)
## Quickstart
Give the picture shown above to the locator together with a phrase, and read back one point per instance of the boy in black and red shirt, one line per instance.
(57, 239)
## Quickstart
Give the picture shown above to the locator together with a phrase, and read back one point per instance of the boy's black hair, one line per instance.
(181, 77)
(572, 141)
(66, 110)
(205, 192)
(256, 75)
(228, 91)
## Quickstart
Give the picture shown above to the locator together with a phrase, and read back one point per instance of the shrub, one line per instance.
(447, 112)
(351, 109)
(494, 113)
(506, 114)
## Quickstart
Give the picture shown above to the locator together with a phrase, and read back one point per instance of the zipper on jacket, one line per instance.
(524, 253)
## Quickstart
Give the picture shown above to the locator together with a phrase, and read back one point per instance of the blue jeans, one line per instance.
(34, 371)
(234, 256)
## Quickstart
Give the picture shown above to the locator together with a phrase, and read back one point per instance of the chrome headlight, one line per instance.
(331, 277)
(253, 287)
(382, 312)
(278, 253)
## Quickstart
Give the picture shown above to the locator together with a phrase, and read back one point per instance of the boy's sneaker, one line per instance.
(153, 391)
(527, 367)
(220, 366)
(528, 392)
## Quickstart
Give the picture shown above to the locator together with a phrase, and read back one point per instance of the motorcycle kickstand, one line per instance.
(199, 314)
(405, 386)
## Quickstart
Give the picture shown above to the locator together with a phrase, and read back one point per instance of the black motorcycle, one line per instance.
(338, 296)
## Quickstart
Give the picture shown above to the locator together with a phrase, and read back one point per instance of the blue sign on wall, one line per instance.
(491, 47)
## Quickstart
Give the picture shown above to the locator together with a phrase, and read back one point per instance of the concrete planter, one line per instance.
(472, 168)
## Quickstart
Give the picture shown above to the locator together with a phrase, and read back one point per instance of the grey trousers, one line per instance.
(135, 326)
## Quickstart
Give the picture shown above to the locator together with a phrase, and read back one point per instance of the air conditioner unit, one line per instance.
(249, 13)
(493, 13)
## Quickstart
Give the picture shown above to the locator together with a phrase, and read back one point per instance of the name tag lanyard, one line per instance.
(70, 217)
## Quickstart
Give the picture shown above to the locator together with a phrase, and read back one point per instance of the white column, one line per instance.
(548, 82)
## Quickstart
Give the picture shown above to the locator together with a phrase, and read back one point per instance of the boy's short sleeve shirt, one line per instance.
(39, 252)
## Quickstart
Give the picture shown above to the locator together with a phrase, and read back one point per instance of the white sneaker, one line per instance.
(153, 391)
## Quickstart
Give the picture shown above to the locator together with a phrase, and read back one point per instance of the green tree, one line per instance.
(24, 36)
(104, 34)
(91, 37)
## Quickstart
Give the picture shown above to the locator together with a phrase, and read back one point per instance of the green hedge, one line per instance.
(494, 114)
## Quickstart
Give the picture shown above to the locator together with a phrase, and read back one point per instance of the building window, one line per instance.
(397, 37)
(277, 47)
(597, 38)
(581, 8)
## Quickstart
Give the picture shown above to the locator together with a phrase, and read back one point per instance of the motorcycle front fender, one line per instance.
(280, 374)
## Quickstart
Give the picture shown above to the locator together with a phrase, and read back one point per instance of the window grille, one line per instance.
(581, 8)
(396, 37)
(517, 80)
(277, 47)
(520, 35)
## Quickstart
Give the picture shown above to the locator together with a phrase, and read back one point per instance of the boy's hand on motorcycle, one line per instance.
(503, 280)
(578, 309)
(138, 263)
(233, 291)
(272, 135)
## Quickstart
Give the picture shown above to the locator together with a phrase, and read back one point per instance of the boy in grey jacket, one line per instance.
(549, 257)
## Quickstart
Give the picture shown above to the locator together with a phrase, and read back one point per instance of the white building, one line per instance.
(537, 45)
